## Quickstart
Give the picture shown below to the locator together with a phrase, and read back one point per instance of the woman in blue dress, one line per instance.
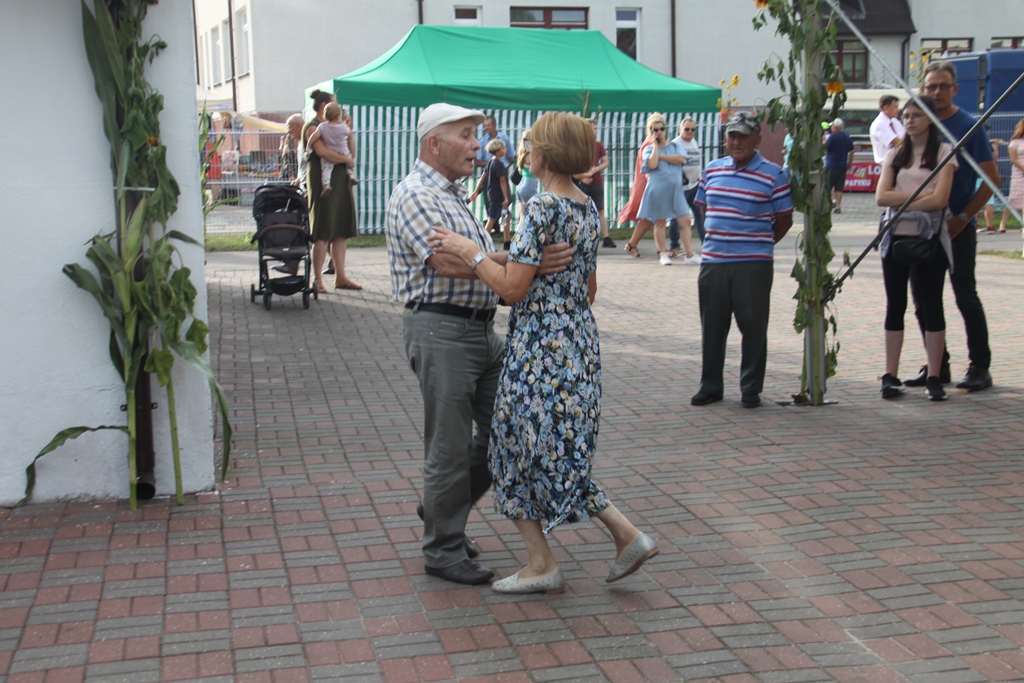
(544, 429)
(664, 198)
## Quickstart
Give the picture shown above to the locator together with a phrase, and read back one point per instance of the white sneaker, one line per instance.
(666, 260)
(691, 260)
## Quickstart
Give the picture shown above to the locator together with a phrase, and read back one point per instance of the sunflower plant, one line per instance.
(807, 76)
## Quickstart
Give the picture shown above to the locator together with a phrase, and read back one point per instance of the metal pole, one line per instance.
(231, 46)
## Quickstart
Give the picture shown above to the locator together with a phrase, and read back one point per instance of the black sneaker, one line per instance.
(976, 379)
(608, 243)
(935, 390)
(891, 386)
(920, 379)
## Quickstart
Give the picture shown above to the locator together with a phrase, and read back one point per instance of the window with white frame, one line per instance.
(225, 43)
(627, 31)
(242, 40)
(467, 16)
(215, 52)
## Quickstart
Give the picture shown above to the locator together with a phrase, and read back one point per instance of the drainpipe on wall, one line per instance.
(234, 70)
(672, 9)
(420, 11)
(903, 57)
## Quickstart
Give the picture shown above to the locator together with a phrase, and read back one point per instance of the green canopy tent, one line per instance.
(541, 70)
(536, 71)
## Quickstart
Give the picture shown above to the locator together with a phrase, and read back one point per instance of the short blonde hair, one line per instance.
(332, 112)
(656, 117)
(565, 141)
(494, 145)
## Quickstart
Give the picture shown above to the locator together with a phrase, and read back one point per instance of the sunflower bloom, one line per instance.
(834, 87)
(735, 80)
(761, 4)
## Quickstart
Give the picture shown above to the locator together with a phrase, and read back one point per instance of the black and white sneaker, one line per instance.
(891, 386)
(934, 388)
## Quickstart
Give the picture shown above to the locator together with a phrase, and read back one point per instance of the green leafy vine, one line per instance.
(807, 76)
(137, 279)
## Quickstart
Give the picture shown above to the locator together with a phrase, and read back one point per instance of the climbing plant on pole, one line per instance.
(807, 76)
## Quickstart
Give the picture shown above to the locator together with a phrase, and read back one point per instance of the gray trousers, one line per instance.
(743, 290)
(457, 362)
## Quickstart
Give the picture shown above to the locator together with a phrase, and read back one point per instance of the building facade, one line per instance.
(262, 54)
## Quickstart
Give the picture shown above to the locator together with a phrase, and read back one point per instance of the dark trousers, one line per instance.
(926, 282)
(965, 289)
(743, 290)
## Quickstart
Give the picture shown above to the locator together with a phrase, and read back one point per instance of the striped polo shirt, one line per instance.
(740, 207)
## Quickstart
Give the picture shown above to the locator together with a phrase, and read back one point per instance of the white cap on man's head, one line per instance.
(439, 114)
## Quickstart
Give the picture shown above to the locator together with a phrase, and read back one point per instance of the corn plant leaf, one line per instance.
(182, 237)
(62, 437)
(87, 281)
(106, 88)
(160, 362)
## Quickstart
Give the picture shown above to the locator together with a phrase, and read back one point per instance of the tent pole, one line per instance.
(420, 11)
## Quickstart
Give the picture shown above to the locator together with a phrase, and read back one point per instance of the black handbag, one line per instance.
(913, 251)
(516, 176)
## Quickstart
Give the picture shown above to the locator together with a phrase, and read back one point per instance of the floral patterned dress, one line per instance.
(544, 429)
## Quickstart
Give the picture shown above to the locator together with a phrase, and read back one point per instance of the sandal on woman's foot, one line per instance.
(347, 284)
(632, 251)
(320, 287)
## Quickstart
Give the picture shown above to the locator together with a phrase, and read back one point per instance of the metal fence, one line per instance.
(386, 148)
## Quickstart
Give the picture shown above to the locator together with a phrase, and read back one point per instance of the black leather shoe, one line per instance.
(750, 400)
(702, 398)
(976, 379)
(921, 378)
(472, 549)
(468, 572)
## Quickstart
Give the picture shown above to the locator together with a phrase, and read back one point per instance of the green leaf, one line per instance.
(160, 362)
(62, 437)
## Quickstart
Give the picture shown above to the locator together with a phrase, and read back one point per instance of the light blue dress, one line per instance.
(664, 197)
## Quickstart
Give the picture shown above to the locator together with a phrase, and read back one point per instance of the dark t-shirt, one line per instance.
(837, 149)
(978, 147)
(495, 172)
(597, 179)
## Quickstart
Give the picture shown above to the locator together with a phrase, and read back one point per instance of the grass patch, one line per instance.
(1016, 254)
(240, 242)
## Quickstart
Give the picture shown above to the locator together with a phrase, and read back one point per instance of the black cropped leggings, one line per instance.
(926, 282)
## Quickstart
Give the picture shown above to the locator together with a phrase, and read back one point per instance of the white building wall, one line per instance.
(56, 371)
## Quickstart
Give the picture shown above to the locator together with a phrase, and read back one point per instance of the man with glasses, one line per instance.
(964, 204)
(691, 177)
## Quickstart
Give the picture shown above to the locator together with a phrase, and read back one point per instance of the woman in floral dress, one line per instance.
(544, 429)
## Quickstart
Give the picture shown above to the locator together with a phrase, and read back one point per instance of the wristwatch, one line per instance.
(480, 256)
(964, 217)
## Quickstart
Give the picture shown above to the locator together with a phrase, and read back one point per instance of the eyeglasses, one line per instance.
(526, 144)
(689, 130)
(657, 129)
(932, 87)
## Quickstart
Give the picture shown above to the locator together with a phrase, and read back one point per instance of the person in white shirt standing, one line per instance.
(886, 130)
(691, 176)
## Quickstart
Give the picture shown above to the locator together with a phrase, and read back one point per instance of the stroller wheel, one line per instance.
(305, 298)
(266, 300)
(316, 294)
(252, 293)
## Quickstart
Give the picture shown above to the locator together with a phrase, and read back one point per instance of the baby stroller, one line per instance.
(282, 234)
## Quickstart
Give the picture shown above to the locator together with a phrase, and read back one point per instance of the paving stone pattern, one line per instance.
(861, 541)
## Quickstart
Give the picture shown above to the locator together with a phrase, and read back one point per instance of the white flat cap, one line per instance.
(439, 114)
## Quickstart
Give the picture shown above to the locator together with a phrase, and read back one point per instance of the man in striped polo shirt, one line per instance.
(747, 209)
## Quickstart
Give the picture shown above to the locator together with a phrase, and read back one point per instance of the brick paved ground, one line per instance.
(863, 541)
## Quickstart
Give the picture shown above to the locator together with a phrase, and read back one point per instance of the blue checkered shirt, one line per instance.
(423, 199)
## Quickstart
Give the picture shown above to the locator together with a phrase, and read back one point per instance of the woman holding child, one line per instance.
(545, 422)
(332, 217)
